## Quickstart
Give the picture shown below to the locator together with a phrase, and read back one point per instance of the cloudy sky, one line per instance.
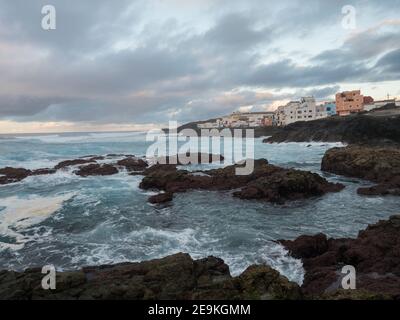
(132, 65)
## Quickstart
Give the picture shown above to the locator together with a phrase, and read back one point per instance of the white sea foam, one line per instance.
(19, 214)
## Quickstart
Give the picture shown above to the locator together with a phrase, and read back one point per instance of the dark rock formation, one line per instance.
(267, 182)
(43, 171)
(374, 254)
(381, 165)
(10, 175)
(96, 170)
(188, 158)
(173, 277)
(69, 163)
(161, 198)
(366, 129)
(133, 164)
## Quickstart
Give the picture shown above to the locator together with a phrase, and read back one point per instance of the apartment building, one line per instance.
(349, 102)
(303, 110)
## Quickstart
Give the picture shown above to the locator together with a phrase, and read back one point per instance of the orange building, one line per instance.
(349, 102)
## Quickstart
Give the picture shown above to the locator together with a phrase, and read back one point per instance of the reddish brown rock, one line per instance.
(374, 253)
(267, 182)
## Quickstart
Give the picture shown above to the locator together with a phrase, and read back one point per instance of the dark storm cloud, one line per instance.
(390, 63)
(123, 61)
(25, 105)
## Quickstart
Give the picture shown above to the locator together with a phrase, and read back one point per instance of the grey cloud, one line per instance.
(390, 63)
(168, 68)
(237, 31)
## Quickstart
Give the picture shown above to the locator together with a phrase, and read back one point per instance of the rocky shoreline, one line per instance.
(376, 164)
(374, 254)
(367, 129)
(267, 182)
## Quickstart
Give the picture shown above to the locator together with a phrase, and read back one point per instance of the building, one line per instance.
(241, 120)
(303, 110)
(330, 108)
(280, 116)
(349, 102)
(379, 103)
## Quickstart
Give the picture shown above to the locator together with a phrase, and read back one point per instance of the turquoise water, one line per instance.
(69, 221)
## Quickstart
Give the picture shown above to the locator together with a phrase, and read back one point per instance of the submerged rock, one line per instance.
(381, 165)
(174, 277)
(374, 254)
(267, 182)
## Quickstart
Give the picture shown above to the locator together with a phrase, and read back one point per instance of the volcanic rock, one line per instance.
(267, 182)
(10, 175)
(174, 277)
(133, 164)
(190, 158)
(374, 254)
(380, 165)
(161, 198)
(96, 170)
(69, 163)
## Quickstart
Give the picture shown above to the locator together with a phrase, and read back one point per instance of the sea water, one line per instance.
(70, 221)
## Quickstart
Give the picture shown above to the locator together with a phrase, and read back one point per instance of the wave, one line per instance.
(19, 214)
(83, 137)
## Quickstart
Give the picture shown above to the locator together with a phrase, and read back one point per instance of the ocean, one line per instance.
(70, 221)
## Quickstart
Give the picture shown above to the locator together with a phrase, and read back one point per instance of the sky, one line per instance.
(135, 65)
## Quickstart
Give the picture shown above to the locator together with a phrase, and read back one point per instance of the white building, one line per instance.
(304, 110)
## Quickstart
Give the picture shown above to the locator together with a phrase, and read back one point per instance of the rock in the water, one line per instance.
(69, 163)
(96, 170)
(161, 198)
(374, 254)
(133, 164)
(381, 165)
(10, 175)
(173, 277)
(190, 158)
(267, 182)
(43, 171)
